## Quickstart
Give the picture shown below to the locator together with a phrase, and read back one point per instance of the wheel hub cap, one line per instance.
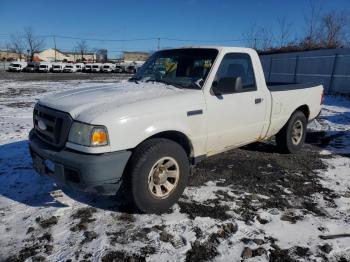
(163, 177)
(297, 132)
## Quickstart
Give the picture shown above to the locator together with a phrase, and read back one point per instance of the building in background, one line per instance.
(52, 55)
(135, 56)
(12, 56)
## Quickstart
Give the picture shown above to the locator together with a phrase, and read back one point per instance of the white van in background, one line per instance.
(17, 66)
(108, 68)
(45, 67)
(80, 67)
(88, 68)
(131, 69)
(96, 67)
(58, 67)
(70, 68)
(119, 69)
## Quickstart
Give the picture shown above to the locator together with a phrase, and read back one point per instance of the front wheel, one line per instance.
(157, 175)
(291, 137)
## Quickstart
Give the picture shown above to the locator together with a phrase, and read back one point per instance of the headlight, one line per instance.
(88, 135)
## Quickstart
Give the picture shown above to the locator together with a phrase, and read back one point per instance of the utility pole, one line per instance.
(158, 46)
(254, 43)
(54, 41)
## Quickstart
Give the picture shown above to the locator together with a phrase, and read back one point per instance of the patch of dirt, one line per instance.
(20, 104)
(21, 92)
(206, 250)
(134, 234)
(201, 251)
(280, 255)
(194, 210)
(115, 256)
(89, 236)
(85, 217)
(46, 223)
(287, 180)
(26, 252)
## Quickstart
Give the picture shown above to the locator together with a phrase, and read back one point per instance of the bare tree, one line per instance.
(312, 21)
(285, 30)
(82, 48)
(33, 42)
(334, 29)
(16, 45)
(259, 38)
(250, 36)
(265, 39)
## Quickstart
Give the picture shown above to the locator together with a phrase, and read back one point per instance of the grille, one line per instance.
(51, 126)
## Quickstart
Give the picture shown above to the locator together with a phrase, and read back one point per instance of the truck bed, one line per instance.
(282, 86)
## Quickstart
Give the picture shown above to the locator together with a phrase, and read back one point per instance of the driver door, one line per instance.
(239, 117)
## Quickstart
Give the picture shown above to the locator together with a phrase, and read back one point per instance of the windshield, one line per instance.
(56, 66)
(43, 66)
(185, 68)
(69, 66)
(95, 66)
(30, 65)
(15, 65)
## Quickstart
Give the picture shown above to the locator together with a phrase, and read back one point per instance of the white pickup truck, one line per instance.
(182, 106)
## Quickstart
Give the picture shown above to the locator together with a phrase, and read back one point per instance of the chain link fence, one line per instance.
(330, 67)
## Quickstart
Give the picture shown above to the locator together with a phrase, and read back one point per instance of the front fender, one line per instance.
(129, 132)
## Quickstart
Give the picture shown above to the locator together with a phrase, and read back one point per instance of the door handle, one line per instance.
(258, 100)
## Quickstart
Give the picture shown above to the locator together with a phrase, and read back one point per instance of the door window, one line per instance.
(238, 65)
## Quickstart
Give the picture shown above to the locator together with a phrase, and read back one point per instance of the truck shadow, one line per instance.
(18, 180)
(20, 183)
(336, 142)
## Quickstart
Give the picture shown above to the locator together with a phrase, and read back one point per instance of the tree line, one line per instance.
(321, 30)
(30, 43)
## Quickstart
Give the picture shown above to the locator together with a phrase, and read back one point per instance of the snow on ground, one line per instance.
(229, 211)
(335, 123)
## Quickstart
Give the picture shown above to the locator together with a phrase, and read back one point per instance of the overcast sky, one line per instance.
(199, 21)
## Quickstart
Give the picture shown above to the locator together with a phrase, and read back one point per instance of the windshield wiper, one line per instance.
(164, 82)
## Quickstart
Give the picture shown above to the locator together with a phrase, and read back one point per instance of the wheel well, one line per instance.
(305, 110)
(177, 137)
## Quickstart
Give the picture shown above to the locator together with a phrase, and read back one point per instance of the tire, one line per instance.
(147, 173)
(287, 139)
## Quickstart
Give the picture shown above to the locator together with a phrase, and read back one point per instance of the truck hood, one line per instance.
(87, 103)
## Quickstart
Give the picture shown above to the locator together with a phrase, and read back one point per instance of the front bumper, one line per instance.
(12, 69)
(95, 173)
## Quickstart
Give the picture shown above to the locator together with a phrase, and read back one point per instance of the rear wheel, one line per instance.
(291, 137)
(157, 175)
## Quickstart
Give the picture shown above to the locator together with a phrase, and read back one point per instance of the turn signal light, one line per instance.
(99, 137)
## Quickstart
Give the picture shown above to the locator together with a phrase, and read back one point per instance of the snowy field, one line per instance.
(251, 203)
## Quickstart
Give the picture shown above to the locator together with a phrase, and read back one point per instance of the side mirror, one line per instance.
(227, 85)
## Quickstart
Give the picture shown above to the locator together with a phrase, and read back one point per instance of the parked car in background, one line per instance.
(80, 67)
(96, 67)
(119, 69)
(45, 67)
(88, 68)
(32, 67)
(131, 69)
(17, 66)
(108, 68)
(211, 100)
(70, 68)
(58, 67)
